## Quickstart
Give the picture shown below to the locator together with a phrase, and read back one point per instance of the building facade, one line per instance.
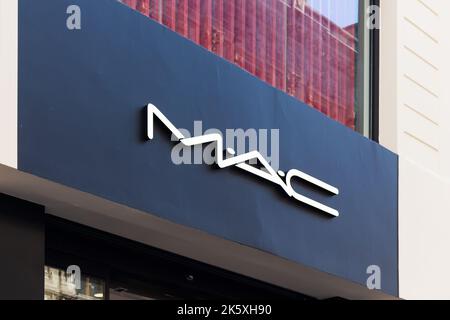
(223, 149)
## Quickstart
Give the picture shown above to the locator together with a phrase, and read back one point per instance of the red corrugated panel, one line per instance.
(350, 76)
(250, 36)
(182, 17)
(344, 80)
(299, 55)
(169, 13)
(194, 20)
(218, 27)
(326, 65)
(155, 10)
(206, 18)
(290, 50)
(314, 61)
(317, 52)
(228, 29)
(143, 7)
(239, 33)
(271, 31)
(130, 3)
(334, 54)
(309, 71)
(346, 56)
(261, 39)
(341, 82)
(280, 45)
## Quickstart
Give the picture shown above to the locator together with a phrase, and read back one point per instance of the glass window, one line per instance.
(310, 49)
(60, 286)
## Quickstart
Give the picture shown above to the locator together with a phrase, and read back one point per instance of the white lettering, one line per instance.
(242, 161)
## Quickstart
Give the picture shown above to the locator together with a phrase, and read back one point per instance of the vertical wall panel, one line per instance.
(309, 56)
(335, 73)
(261, 44)
(182, 17)
(350, 76)
(155, 10)
(326, 65)
(206, 17)
(261, 39)
(290, 51)
(218, 27)
(299, 55)
(194, 20)
(228, 29)
(169, 13)
(317, 60)
(131, 3)
(239, 33)
(280, 44)
(143, 6)
(271, 42)
(250, 36)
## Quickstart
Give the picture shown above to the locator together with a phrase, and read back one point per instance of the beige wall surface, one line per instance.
(8, 81)
(415, 123)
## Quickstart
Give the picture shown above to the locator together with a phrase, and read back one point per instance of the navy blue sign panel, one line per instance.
(82, 124)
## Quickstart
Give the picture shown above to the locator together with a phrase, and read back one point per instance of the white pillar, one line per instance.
(8, 81)
(415, 123)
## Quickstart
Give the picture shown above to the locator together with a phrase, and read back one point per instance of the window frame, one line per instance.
(367, 99)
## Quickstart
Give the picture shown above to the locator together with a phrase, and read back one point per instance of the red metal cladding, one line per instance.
(308, 57)
(280, 43)
(131, 3)
(250, 36)
(261, 40)
(194, 20)
(143, 7)
(155, 10)
(290, 51)
(239, 33)
(326, 63)
(169, 17)
(335, 74)
(206, 17)
(342, 85)
(350, 75)
(271, 31)
(217, 27)
(182, 17)
(229, 29)
(300, 75)
(317, 61)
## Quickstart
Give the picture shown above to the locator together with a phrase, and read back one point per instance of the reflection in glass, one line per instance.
(307, 48)
(58, 286)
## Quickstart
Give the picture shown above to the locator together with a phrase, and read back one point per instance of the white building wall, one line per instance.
(8, 81)
(415, 123)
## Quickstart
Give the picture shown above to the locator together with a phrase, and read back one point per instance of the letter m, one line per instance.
(154, 111)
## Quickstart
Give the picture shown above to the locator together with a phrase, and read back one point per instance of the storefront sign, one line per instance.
(241, 161)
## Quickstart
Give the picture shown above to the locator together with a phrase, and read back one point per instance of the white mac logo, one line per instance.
(240, 161)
